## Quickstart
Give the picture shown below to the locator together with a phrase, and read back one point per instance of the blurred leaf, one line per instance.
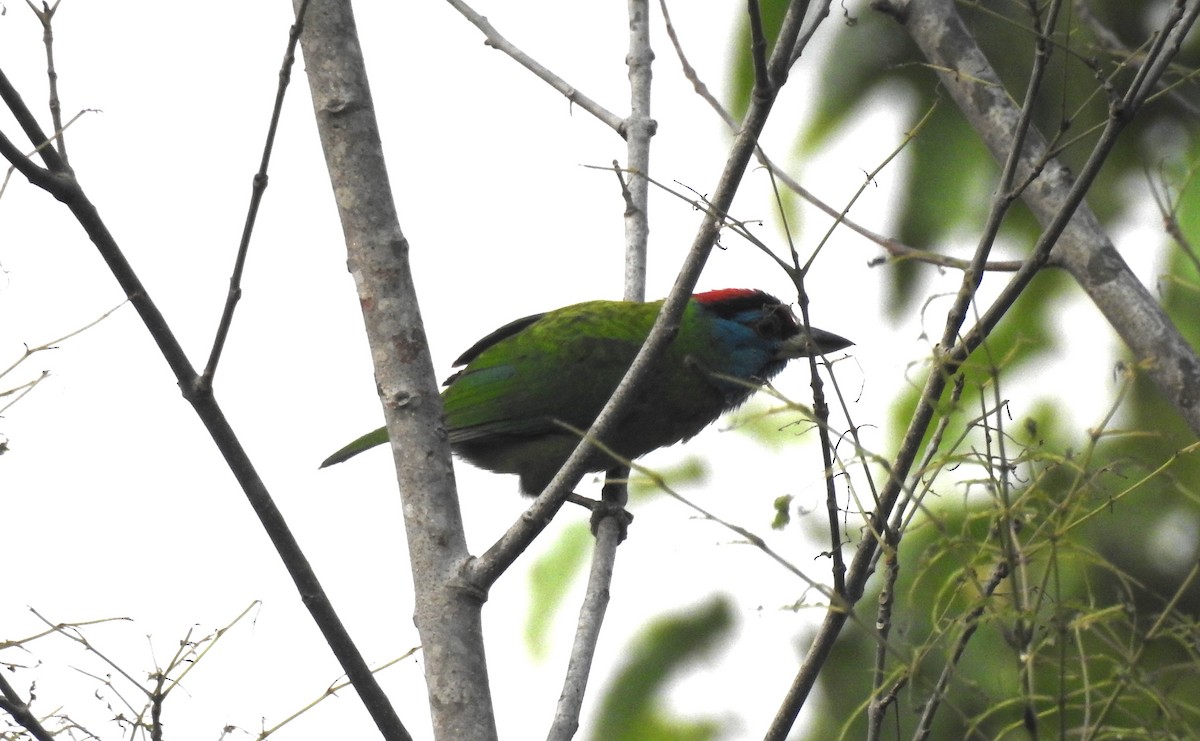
(742, 82)
(950, 174)
(770, 422)
(690, 470)
(550, 578)
(629, 710)
(783, 513)
(864, 59)
(1024, 336)
(1162, 528)
(1107, 519)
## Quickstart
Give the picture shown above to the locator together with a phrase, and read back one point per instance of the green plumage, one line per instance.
(503, 409)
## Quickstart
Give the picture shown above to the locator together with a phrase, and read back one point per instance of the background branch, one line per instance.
(1084, 250)
(935, 25)
(63, 185)
(496, 41)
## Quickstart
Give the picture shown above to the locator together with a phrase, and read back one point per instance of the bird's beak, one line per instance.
(812, 341)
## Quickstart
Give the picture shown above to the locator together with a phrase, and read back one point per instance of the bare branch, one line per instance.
(496, 41)
(897, 249)
(639, 127)
(46, 16)
(448, 609)
(15, 705)
(256, 194)
(609, 533)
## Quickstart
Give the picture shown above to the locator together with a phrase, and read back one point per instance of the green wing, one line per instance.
(562, 366)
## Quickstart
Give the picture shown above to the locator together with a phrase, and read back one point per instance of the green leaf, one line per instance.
(630, 710)
(550, 579)
(783, 512)
(691, 470)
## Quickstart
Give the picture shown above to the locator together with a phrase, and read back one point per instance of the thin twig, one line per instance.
(28, 386)
(12, 168)
(895, 248)
(820, 406)
(498, 42)
(970, 624)
(46, 16)
(256, 195)
(331, 691)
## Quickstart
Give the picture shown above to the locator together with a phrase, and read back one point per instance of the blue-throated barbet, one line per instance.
(523, 386)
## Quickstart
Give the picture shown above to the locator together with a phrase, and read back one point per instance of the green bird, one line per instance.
(510, 409)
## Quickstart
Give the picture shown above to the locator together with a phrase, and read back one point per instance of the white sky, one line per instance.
(114, 500)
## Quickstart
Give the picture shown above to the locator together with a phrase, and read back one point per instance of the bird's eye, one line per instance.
(769, 324)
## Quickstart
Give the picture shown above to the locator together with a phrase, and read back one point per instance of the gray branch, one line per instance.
(1084, 250)
(447, 614)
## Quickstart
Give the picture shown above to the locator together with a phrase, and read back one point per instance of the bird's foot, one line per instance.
(601, 509)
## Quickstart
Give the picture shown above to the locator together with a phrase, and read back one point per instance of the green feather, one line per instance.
(366, 442)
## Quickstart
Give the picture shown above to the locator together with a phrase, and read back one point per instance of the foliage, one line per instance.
(1047, 579)
(630, 709)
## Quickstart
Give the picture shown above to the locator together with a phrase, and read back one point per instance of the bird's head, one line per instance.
(768, 323)
(772, 321)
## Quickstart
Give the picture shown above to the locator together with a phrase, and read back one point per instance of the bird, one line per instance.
(525, 391)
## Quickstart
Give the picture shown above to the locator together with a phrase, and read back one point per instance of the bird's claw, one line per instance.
(601, 509)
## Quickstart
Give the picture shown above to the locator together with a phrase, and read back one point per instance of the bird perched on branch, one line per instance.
(512, 408)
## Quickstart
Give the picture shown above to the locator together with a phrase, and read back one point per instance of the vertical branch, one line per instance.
(46, 16)
(758, 44)
(639, 128)
(610, 520)
(880, 701)
(447, 612)
(609, 531)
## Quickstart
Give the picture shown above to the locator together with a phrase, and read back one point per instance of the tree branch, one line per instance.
(1084, 250)
(447, 610)
(13, 704)
(258, 188)
(610, 520)
(895, 248)
(496, 41)
(639, 127)
(61, 183)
